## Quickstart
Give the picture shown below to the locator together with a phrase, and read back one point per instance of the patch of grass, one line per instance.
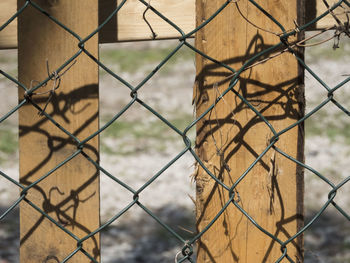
(146, 129)
(8, 144)
(181, 122)
(141, 136)
(131, 60)
(317, 126)
(8, 141)
(105, 148)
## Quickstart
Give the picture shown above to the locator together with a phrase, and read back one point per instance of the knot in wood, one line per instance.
(51, 259)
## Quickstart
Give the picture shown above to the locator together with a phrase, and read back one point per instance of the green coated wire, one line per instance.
(136, 195)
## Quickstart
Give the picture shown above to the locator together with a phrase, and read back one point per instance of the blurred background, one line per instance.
(139, 145)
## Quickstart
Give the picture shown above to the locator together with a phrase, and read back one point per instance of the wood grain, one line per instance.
(129, 25)
(70, 195)
(231, 136)
(315, 8)
(8, 36)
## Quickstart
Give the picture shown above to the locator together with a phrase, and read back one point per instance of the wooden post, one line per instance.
(231, 136)
(71, 194)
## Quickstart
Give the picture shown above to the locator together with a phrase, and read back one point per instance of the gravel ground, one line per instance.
(170, 92)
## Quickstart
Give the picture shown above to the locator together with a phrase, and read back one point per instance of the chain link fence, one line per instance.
(187, 253)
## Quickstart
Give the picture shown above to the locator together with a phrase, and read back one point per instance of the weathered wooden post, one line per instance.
(70, 195)
(231, 137)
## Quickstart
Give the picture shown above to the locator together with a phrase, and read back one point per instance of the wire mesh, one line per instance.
(187, 252)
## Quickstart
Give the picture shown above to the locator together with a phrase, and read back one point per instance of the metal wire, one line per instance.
(187, 252)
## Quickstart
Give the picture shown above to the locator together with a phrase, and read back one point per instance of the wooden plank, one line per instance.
(231, 136)
(315, 8)
(8, 36)
(71, 194)
(129, 24)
